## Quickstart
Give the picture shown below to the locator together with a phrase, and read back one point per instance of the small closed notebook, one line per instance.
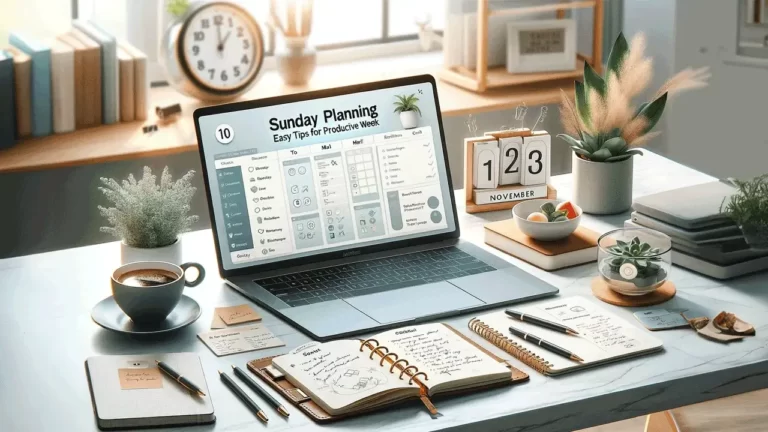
(128, 391)
(42, 111)
(604, 337)
(578, 248)
(342, 378)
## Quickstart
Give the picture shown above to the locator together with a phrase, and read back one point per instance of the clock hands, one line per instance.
(225, 39)
(220, 45)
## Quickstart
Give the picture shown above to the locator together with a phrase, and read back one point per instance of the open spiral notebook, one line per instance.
(604, 337)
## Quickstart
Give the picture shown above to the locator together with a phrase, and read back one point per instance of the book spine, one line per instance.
(7, 102)
(141, 88)
(63, 91)
(492, 196)
(510, 346)
(42, 115)
(127, 89)
(22, 78)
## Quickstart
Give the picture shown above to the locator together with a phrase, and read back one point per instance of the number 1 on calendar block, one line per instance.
(486, 165)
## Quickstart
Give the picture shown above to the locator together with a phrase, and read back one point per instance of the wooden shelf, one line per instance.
(554, 7)
(499, 77)
(126, 141)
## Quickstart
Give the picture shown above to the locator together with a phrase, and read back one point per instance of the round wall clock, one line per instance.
(213, 52)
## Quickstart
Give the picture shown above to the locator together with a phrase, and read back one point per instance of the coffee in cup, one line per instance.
(147, 291)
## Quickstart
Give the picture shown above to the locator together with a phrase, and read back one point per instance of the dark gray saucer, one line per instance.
(108, 314)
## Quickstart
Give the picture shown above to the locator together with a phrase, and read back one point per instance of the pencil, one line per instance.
(243, 396)
(250, 382)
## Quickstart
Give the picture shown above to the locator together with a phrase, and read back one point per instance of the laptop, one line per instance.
(334, 210)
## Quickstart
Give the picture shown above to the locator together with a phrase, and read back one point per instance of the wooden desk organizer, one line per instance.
(469, 145)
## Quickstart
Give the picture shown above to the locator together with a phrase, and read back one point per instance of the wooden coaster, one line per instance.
(601, 290)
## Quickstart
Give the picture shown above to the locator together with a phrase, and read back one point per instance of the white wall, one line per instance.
(720, 130)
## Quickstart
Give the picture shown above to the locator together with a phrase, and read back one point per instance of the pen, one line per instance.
(178, 378)
(540, 322)
(546, 345)
(243, 396)
(250, 382)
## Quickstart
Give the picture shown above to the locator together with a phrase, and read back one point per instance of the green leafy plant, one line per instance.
(407, 103)
(601, 123)
(147, 214)
(177, 8)
(749, 206)
(552, 214)
(640, 254)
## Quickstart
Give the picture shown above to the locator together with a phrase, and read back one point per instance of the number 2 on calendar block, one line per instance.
(535, 163)
(510, 157)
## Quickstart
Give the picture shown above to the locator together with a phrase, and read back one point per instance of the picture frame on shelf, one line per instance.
(541, 46)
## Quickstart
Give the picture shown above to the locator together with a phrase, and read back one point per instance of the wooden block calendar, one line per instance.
(503, 168)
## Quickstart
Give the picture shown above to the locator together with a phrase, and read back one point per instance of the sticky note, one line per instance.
(140, 378)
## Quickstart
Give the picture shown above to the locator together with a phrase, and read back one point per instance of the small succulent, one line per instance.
(407, 103)
(604, 147)
(750, 204)
(552, 214)
(642, 255)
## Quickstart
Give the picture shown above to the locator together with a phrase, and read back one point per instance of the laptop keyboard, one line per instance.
(374, 276)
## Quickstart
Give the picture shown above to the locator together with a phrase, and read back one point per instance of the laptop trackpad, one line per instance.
(413, 302)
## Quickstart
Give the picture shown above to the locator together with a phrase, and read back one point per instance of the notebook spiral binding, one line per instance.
(518, 351)
(405, 369)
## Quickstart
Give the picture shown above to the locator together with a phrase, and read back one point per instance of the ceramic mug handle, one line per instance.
(200, 274)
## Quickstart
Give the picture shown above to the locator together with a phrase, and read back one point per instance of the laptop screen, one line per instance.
(327, 174)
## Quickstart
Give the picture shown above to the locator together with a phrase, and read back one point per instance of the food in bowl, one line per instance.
(551, 213)
(547, 223)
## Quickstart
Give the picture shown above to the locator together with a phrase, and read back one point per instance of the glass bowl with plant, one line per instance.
(409, 110)
(634, 261)
(749, 209)
(149, 217)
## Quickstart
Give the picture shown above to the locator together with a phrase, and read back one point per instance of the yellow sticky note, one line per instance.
(237, 314)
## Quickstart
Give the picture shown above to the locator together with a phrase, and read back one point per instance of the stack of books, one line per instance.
(703, 239)
(82, 78)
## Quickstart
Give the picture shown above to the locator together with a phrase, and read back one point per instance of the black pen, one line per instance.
(546, 345)
(187, 384)
(540, 322)
(250, 382)
(243, 396)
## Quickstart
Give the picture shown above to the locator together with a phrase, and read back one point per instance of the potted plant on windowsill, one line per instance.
(749, 209)
(604, 129)
(408, 109)
(148, 217)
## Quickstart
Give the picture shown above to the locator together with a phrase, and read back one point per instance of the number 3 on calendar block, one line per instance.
(509, 168)
(536, 158)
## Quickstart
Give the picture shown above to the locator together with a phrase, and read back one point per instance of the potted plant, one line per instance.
(632, 266)
(409, 111)
(749, 209)
(604, 129)
(149, 217)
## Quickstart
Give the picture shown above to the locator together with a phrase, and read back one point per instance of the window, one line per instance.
(753, 28)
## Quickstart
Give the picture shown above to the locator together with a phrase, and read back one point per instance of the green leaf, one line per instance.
(634, 152)
(582, 103)
(618, 54)
(635, 241)
(616, 146)
(580, 151)
(621, 243)
(619, 158)
(547, 208)
(593, 80)
(642, 263)
(645, 247)
(573, 142)
(560, 219)
(653, 111)
(600, 155)
(590, 143)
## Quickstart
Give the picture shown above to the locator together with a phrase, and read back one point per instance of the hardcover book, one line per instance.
(42, 112)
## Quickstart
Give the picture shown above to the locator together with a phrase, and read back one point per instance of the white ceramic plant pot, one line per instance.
(409, 119)
(170, 253)
(602, 187)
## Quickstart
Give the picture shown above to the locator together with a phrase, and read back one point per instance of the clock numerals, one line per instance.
(195, 49)
(200, 65)
(224, 76)
(240, 32)
(244, 60)
(199, 36)
(230, 22)
(212, 71)
(246, 44)
(205, 23)
(236, 71)
(218, 20)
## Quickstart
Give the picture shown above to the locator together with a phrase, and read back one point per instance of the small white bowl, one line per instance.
(545, 231)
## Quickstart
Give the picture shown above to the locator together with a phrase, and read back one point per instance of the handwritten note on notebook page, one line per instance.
(449, 361)
(604, 336)
(339, 377)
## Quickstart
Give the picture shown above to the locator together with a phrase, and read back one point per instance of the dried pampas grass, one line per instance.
(634, 129)
(597, 111)
(686, 79)
(568, 116)
(618, 110)
(644, 139)
(636, 70)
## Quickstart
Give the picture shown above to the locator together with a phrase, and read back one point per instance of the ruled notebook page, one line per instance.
(604, 337)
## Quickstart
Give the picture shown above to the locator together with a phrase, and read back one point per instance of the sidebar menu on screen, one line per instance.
(235, 208)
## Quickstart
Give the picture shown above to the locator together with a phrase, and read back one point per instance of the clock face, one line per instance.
(221, 47)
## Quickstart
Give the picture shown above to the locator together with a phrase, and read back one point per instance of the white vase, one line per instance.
(170, 253)
(409, 119)
(602, 187)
